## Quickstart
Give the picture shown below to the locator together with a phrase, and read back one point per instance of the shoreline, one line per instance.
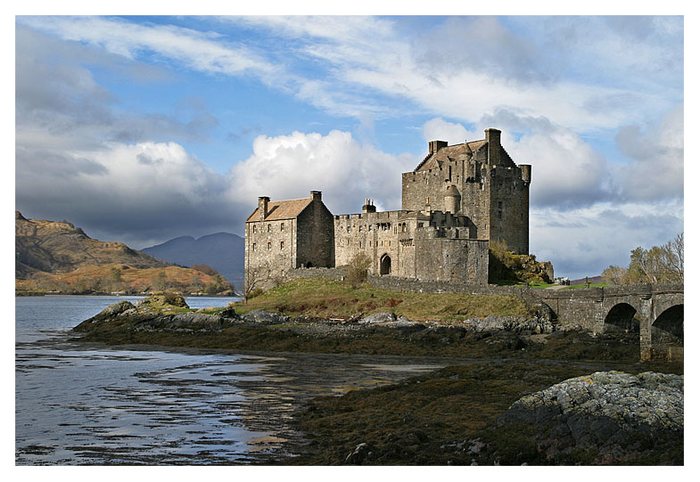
(456, 415)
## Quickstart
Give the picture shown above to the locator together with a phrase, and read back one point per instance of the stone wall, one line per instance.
(450, 258)
(315, 236)
(509, 207)
(270, 251)
(491, 190)
(333, 274)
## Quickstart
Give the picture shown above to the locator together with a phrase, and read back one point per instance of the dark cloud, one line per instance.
(482, 44)
(79, 157)
(656, 152)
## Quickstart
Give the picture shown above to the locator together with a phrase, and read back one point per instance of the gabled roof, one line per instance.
(453, 151)
(278, 210)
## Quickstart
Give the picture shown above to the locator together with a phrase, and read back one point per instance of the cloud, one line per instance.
(585, 241)
(656, 150)
(137, 192)
(347, 171)
(458, 67)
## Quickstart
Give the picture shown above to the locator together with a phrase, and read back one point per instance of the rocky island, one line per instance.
(524, 391)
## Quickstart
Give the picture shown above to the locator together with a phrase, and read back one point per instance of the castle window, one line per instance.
(281, 244)
(360, 228)
(269, 245)
(253, 246)
(269, 228)
(282, 227)
(420, 225)
(499, 212)
(254, 226)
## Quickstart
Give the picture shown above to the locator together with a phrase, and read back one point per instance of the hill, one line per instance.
(222, 251)
(57, 257)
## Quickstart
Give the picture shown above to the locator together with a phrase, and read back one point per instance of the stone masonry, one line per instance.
(454, 203)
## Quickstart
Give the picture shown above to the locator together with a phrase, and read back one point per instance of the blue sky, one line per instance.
(141, 129)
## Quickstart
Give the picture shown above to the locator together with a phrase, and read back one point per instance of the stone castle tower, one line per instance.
(454, 203)
(477, 179)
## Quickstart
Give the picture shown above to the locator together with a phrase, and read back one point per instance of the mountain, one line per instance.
(57, 257)
(222, 251)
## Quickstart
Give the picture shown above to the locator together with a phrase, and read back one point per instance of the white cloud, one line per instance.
(347, 171)
(198, 50)
(454, 133)
(462, 68)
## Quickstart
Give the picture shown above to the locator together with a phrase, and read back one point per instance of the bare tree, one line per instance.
(255, 278)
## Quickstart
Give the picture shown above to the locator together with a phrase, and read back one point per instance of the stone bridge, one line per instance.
(654, 311)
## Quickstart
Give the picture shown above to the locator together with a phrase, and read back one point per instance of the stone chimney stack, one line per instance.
(263, 202)
(493, 138)
(526, 173)
(369, 207)
(434, 146)
(315, 195)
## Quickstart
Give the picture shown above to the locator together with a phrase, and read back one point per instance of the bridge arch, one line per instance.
(621, 318)
(667, 333)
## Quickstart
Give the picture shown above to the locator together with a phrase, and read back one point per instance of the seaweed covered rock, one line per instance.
(604, 418)
(161, 312)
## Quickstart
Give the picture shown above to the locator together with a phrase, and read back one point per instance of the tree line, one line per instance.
(658, 264)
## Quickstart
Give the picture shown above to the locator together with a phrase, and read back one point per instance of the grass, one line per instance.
(601, 284)
(334, 299)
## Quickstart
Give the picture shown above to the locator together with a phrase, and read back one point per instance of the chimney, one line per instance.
(369, 207)
(434, 146)
(263, 201)
(493, 138)
(526, 172)
(315, 195)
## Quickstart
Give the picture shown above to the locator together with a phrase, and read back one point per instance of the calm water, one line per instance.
(80, 404)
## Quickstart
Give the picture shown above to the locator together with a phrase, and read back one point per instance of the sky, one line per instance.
(141, 129)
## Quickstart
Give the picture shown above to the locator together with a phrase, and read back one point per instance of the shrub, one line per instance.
(357, 269)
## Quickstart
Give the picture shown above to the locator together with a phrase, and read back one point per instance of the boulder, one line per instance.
(612, 416)
(378, 318)
(262, 316)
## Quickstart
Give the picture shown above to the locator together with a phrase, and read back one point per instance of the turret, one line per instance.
(452, 199)
(526, 172)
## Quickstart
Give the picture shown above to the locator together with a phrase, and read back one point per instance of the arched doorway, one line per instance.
(385, 265)
(621, 319)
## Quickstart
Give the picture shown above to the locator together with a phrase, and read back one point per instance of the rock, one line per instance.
(357, 456)
(609, 414)
(112, 312)
(163, 300)
(261, 316)
(181, 323)
(378, 318)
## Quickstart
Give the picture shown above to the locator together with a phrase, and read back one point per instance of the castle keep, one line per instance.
(457, 199)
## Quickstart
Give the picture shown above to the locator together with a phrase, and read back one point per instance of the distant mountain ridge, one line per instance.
(222, 251)
(57, 257)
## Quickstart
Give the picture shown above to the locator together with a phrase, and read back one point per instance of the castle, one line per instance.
(457, 200)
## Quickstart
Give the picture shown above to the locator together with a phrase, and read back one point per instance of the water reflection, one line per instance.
(78, 405)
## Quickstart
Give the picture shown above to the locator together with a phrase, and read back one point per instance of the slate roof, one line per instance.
(278, 210)
(454, 150)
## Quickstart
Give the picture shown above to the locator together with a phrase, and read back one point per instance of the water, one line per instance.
(78, 404)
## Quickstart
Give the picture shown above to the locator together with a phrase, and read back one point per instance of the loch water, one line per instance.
(82, 404)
